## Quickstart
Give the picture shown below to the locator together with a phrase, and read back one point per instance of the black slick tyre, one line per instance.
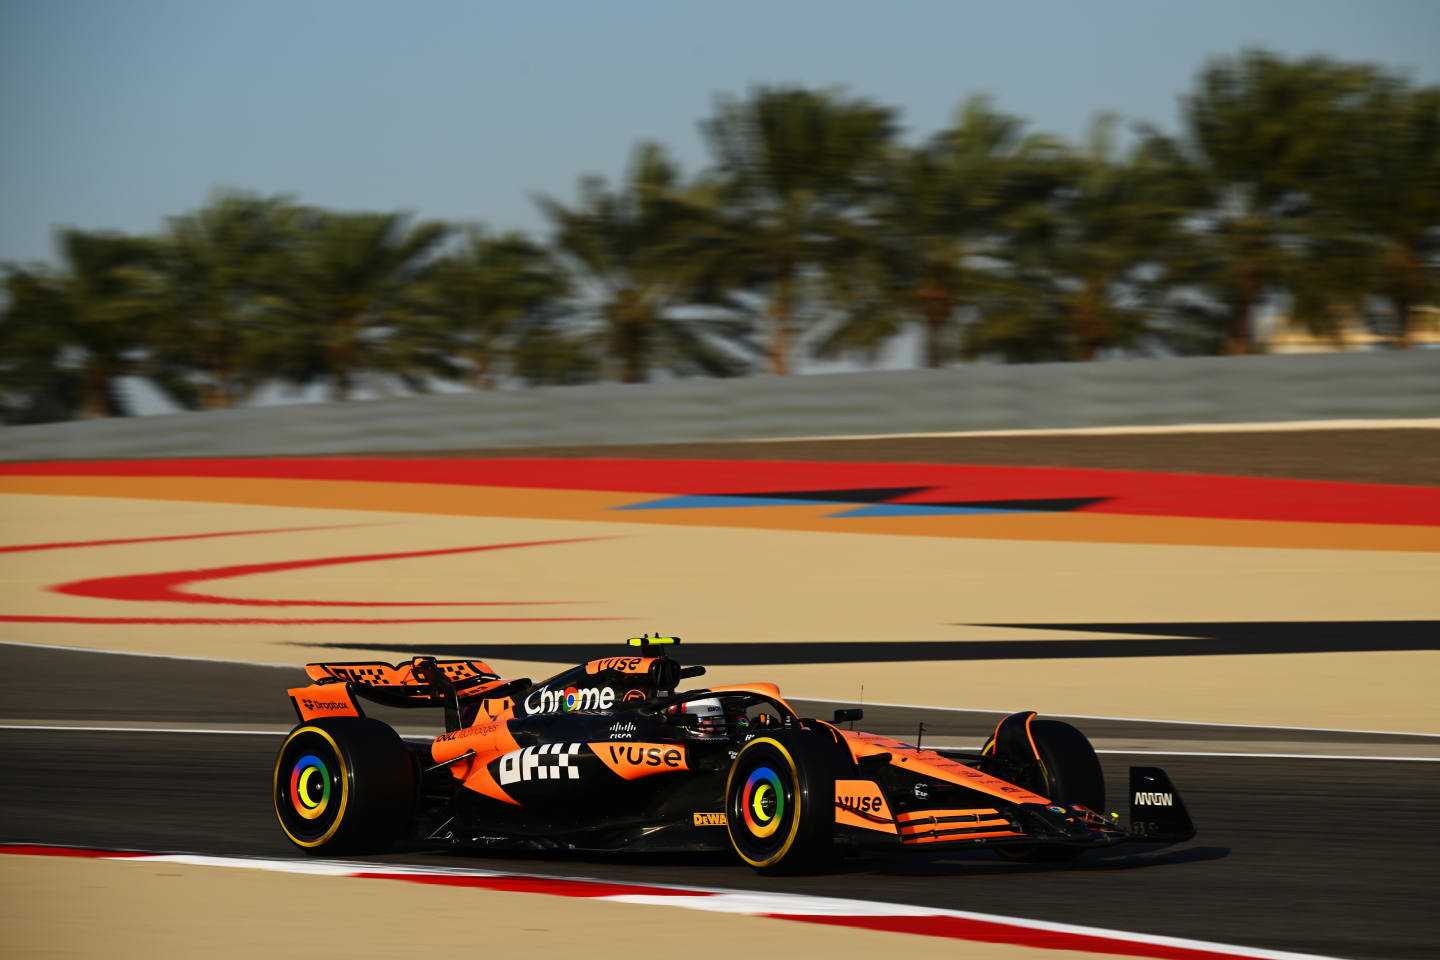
(343, 784)
(1072, 775)
(780, 803)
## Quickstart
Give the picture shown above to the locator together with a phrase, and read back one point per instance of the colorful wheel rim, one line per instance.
(310, 786)
(763, 802)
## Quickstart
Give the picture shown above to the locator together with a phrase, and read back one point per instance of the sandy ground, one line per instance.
(58, 908)
(781, 574)
(710, 583)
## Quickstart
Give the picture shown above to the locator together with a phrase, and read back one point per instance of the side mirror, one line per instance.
(852, 714)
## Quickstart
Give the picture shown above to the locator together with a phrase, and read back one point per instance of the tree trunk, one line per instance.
(1238, 341)
(632, 323)
(1402, 335)
(1088, 325)
(340, 352)
(217, 395)
(632, 370)
(937, 309)
(479, 377)
(95, 395)
(780, 326)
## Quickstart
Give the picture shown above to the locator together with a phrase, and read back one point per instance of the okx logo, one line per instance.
(550, 761)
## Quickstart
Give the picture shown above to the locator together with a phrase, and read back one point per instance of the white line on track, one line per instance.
(1267, 756)
(1063, 936)
(158, 656)
(276, 732)
(203, 731)
(1094, 716)
(873, 703)
(121, 728)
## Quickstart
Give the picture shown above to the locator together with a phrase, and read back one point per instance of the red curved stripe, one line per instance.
(22, 547)
(166, 586)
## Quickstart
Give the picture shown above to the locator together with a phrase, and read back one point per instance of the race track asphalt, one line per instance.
(1329, 856)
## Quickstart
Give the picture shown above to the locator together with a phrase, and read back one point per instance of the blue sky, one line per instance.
(119, 113)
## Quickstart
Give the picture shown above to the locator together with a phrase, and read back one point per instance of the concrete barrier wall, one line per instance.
(975, 397)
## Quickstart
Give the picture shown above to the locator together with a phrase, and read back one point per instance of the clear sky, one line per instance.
(120, 112)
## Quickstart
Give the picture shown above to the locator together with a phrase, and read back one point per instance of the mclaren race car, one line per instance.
(609, 755)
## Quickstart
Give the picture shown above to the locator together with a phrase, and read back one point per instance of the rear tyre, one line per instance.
(343, 784)
(1072, 775)
(780, 803)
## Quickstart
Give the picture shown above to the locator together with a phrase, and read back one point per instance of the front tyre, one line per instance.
(343, 784)
(1072, 775)
(780, 803)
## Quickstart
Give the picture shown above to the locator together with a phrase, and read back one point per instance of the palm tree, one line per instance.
(546, 354)
(218, 264)
(794, 168)
(628, 248)
(939, 224)
(67, 338)
(1093, 273)
(345, 307)
(1386, 183)
(480, 294)
(1265, 133)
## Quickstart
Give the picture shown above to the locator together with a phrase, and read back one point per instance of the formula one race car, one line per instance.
(608, 756)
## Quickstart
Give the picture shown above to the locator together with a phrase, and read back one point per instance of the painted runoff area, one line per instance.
(866, 915)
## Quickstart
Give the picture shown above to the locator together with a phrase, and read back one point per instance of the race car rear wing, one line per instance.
(423, 682)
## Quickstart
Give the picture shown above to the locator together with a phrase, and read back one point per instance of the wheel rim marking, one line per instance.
(763, 802)
(342, 778)
(303, 783)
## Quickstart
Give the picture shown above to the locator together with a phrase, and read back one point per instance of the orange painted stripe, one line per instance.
(941, 838)
(931, 814)
(946, 827)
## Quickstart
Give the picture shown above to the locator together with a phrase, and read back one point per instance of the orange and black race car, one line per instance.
(608, 756)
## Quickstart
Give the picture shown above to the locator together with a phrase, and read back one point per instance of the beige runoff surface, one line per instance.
(59, 907)
(709, 583)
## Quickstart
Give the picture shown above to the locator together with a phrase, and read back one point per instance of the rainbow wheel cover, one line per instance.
(310, 787)
(762, 801)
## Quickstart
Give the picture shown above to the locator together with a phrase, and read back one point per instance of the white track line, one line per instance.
(158, 656)
(770, 904)
(203, 731)
(275, 732)
(873, 703)
(1094, 716)
(77, 728)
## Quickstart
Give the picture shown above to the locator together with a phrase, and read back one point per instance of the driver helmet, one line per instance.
(704, 719)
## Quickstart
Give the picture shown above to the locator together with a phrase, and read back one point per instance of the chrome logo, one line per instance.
(310, 786)
(571, 699)
(763, 802)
